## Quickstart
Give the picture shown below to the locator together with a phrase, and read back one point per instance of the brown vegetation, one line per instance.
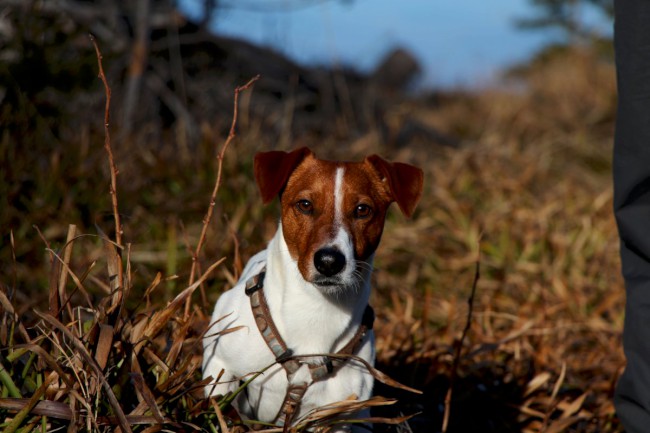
(525, 193)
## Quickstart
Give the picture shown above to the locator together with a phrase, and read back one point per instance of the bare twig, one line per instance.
(116, 272)
(459, 347)
(107, 146)
(220, 156)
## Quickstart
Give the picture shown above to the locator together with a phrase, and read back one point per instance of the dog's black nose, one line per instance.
(329, 261)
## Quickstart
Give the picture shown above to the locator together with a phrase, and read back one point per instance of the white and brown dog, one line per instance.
(306, 295)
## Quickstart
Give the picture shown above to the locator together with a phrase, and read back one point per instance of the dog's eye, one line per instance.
(305, 207)
(362, 211)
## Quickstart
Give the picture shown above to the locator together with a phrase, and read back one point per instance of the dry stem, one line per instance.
(459, 347)
(220, 156)
(83, 352)
(107, 146)
(113, 169)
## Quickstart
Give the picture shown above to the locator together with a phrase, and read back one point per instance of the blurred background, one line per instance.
(508, 106)
(493, 35)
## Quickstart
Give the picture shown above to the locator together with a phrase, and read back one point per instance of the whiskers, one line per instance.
(365, 266)
(353, 286)
(350, 283)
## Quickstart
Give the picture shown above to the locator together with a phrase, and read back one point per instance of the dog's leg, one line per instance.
(222, 382)
(224, 386)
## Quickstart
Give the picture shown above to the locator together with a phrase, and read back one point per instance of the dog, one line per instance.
(299, 313)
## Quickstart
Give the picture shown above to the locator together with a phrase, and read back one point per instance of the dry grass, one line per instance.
(532, 192)
(529, 190)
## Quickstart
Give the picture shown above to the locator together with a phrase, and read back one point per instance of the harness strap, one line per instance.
(290, 405)
(319, 371)
(284, 355)
(266, 326)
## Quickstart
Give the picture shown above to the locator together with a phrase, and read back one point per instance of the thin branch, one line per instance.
(459, 346)
(220, 156)
(111, 161)
(107, 144)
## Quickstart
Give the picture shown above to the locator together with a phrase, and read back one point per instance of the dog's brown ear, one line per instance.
(272, 170)
(404, 182)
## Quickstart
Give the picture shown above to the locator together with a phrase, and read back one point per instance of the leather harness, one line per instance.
(329, 364)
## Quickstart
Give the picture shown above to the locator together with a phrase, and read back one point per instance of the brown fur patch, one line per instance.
(314, 180)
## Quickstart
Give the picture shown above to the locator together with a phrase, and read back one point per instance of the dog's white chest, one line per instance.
(234, 349)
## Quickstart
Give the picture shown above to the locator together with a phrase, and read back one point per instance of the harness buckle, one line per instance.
(254, 283)
(329, 365)
(368, 319)
(283, 357)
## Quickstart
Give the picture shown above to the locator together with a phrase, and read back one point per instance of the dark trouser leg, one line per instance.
(632, 205)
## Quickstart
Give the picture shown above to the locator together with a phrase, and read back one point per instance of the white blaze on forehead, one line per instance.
(342, 239)
(338, 196)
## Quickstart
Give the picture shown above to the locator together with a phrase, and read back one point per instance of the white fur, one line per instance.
(308, 319)
(338, 196)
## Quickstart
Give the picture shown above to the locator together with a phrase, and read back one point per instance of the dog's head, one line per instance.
(333, 212)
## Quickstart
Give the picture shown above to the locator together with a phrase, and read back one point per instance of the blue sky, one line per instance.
(458, 42)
